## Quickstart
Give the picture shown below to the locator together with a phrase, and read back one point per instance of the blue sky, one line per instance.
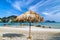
(49, 9)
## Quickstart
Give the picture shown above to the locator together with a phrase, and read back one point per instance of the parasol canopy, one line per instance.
(30, 16)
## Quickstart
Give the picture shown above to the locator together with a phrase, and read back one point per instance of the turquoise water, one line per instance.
(53, 25)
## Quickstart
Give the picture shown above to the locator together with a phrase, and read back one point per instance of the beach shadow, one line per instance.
(38, 39)
(11, 35)
(55, 37)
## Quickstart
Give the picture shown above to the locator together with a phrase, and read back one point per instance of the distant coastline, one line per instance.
(13, 17)
(48, 21)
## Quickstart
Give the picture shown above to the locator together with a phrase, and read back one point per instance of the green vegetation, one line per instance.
(50, 21)
(8, 19)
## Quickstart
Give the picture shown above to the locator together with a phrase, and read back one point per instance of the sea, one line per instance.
(52, 25)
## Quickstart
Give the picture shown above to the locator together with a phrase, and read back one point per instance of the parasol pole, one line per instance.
(30, 37)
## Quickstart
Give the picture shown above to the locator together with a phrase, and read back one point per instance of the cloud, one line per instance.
(21, 5)
(9, 13)
(9, 1)
(41, 3)
(46, 5)
(55, 17)
(51, 12)
(45, 13)
(16, 5)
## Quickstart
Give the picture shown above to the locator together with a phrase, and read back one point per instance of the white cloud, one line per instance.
(9, 13)
(29, 1)
(55, 17)
(45, 13)
(38, 5)
(16, 5)
(9, 1)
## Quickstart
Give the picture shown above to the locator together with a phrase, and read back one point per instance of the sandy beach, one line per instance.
(37, 33)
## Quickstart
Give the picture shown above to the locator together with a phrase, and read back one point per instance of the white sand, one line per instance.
(37, 33)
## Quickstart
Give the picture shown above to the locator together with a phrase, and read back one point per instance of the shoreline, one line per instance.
(25, 28)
